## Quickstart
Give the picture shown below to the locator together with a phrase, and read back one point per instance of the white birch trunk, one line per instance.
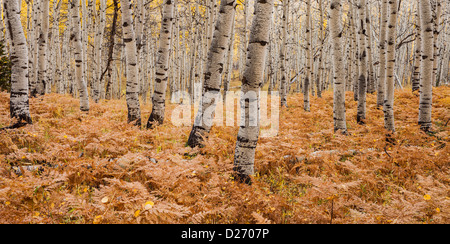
(390, 61)
(213, 74)
(426, 92)
(338, 67)
(43, 41)
(362, 82)
(19, 103)
(162, 67)
(247, 139)
(129, 39)
(79, 59)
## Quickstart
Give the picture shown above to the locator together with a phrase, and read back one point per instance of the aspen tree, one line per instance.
(79, 59)
(43, 48)
(371, 73)
(98, 44)
(309, 58)
(248, 134)
(129, 39)
(19, 102)
(338, 67)
(415, 79)
(362, 81)
(213, 74)
(426, 92)
(436, 21)
(162, 66)
(283, 56)
(390, 62)
(382, 49)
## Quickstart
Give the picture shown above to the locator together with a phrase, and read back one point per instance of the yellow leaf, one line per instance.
(427, 197)
(148, 205)
(137, 213)
(438, 210)
(98, 219)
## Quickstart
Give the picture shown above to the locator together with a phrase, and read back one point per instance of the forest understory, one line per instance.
(76, 167)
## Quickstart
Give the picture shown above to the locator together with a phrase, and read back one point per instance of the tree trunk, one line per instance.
(248, 134)
(338, 67)
(19, 103)
(213, 74)
(309, 58)
(426, 92)
(162, 67)
(79, 59)
(362, 81)
(283, 57)
(390, 61)
(418, 54)
(129, 39)
(43, 40)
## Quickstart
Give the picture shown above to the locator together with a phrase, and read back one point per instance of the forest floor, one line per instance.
(73, 167)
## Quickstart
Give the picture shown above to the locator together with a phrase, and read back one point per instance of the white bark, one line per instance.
(382, 75)
(338, 67)
(43, 41)
(79, 59)
(390, 61)
(213, 74)
(19, 103)
(129, 39)
(162, 66)
(426, 92)
(248, 134)
(362, 82)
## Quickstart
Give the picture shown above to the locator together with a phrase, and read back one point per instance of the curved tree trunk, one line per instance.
(248, 134)
(79, 59)
(162, 67)
(390, 60)
(213, 74)
(129, 39)
(283, 57)
(19, 103)
(338, 67)
(426, 92)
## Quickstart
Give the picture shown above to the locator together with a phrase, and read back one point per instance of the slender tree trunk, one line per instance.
(248, 134)
(19, 103)
(309, 58)
(362, 82)
(162, 67)
(390, 61)
(426, 92)
(43, 40)
(418, 54)
(371, 73)
(283, 56)
(129, 39)
(79, 59)
(382, 71)
(213, 74)
(338, 67)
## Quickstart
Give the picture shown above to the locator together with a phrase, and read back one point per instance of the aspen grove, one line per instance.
(224, 111)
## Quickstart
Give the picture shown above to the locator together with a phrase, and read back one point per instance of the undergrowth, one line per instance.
(73, 167)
